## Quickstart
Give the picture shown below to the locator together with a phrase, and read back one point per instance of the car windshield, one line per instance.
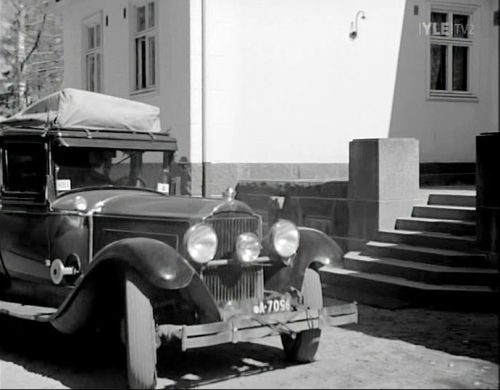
(93, 167)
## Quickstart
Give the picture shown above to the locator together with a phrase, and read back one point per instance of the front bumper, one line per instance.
(243, 327)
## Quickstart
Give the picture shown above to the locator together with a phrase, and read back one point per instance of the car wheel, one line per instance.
(140, 337)
(303, 347)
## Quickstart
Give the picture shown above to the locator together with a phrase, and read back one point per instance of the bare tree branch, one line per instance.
(35, 45)
(52, 68)
(15, 4)
(34, 72)
(34, 64)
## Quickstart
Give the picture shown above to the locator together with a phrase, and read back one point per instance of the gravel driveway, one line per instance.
(409, 348)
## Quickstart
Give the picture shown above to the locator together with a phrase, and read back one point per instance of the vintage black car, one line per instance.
(90, 237)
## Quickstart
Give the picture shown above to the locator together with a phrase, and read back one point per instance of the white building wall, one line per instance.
(492, 77)
(173, 92)
(285, 83)
(446, 129)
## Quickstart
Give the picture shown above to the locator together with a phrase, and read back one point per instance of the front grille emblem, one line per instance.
(229, 194)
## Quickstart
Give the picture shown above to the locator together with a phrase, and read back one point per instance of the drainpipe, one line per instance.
(203, 101)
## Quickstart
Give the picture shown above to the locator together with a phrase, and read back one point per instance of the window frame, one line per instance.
(23, 197)
(146, 34)
(449, 41)
(95, 52)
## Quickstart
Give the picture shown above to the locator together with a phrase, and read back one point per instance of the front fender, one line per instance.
(316, 249)
(158, 263)
(155, 262)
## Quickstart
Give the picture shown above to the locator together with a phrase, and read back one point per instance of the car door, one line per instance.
(23, 213)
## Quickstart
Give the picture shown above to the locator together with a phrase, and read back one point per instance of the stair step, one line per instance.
(460, 213)
(394, 292)
(441, 179)
(447, 167)
(452, 200)
(464, 228)
(420, 272)
(427, 255)
(433, 240)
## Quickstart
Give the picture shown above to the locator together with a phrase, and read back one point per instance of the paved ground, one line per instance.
(409, 348)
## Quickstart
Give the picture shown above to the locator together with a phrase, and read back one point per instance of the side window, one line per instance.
(24, 167)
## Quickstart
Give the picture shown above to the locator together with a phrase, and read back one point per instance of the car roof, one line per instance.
(80, 118)
(104, 138)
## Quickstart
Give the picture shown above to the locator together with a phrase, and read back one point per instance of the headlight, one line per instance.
(80, 203)
(285, 238)
(201, 242)
(247, 247)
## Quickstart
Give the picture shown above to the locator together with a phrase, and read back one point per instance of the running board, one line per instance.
(27, 312)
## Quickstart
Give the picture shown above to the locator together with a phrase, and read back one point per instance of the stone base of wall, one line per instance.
(220, 176)
(382, 186)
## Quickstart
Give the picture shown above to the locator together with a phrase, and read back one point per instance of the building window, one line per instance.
(93, 54)
(144, 46)
(451, 44)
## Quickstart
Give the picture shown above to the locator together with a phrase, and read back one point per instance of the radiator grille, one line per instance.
(234, 283)
(228, 228)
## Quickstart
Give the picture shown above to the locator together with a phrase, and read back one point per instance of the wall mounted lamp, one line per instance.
(354, 24)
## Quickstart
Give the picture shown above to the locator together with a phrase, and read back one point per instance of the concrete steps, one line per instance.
(421, 272)
(396, 292)
(426, 255)
(429, 239)
(450, 226)
(459, 213)
(448, 178)
(430, 259)
(450, 199)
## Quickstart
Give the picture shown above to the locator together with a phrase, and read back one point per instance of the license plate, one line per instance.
(274, 305)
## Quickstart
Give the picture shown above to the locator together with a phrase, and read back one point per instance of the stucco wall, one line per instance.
(285, 83)
(446, 129)
(173, 92)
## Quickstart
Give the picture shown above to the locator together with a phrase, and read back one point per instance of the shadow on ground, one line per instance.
(87, 362)
(76, 361)
(216, 364)
(473, 334)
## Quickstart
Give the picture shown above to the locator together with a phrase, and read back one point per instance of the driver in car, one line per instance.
(100, 162)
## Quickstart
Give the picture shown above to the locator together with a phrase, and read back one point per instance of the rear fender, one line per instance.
(316, 250)
(101, 288)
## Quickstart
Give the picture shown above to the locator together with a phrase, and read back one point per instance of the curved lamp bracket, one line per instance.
(354, 24)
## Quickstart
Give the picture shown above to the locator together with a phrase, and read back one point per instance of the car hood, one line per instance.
(148, 204)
